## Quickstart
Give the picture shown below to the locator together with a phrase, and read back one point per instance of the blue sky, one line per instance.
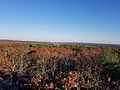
(92, 21)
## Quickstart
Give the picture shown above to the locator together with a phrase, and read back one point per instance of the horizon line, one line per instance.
(39, 41)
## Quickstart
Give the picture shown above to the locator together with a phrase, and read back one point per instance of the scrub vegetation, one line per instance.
(59, 67)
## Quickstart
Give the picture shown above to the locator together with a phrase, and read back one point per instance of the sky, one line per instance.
(89, 21)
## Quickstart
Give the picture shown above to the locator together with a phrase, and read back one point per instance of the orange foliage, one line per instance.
(71, 81)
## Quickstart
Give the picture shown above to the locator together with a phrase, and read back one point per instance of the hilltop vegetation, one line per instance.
(59, 67)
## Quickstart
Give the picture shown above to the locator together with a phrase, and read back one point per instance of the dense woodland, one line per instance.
(59, 67)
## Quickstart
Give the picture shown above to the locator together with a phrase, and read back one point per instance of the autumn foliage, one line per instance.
(45, 68)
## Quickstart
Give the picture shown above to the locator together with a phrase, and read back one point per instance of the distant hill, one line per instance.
(59, 43)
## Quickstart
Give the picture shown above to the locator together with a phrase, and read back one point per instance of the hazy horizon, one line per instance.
(88, 21)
